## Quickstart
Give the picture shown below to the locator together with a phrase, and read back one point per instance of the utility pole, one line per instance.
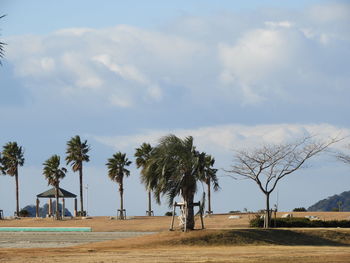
(87, 199)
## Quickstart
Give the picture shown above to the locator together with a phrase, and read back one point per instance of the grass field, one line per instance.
(224, 240)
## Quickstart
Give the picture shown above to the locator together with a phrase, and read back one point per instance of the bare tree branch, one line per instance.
(343, 157)
(269, 164)
(2, 44)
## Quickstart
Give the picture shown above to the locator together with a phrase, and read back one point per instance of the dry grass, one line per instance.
(156, 223)
(171, 247)
(211, 245)
(139, 223)
(252, 254)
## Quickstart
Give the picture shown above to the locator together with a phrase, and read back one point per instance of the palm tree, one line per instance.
(77, 153)
(174, 168)
(12, 157)
(142, 155)
(54, 174)
(116, 172)
(208, 176)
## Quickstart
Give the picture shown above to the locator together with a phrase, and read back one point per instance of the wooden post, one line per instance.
(186, 212)
(201, 214)
(173, 217)
(50, 207)
(63, 207)
(183, 209)
(37, 208)
(75, 207)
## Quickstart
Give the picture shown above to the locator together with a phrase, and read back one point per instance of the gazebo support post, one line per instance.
(37, 208)
(63, 207)
(75, 207)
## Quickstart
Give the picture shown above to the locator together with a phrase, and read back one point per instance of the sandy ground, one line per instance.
(136, 249)
(156, 223)
(251, 254)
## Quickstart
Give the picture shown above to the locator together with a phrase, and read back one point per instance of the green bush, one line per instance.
(81, 213)
(234, 212)
(300, 222)
(23, 213)
(169, 213)
(299, 209)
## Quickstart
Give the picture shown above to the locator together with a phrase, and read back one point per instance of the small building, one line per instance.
(51, 193)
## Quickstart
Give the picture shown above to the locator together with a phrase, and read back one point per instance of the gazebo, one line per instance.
(51, 193)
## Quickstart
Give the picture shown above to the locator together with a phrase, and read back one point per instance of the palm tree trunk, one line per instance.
(209, 198)
(81, 190)
(121, 191)
(267, 219)
(149, 204)
(57, 210)
(17, 193)
(190, 213)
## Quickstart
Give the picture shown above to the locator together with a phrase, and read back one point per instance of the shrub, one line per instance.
(299, 209)
(81, 213)
(169, 213)
(300, 222)
(23, 213)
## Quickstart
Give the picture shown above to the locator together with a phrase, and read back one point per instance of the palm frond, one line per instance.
(77, 153)
(52, 171)
(117, 167)
(12, 158)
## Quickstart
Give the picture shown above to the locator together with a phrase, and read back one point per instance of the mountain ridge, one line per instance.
(335, 202)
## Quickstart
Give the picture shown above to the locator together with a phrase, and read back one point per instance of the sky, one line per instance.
(232, 74)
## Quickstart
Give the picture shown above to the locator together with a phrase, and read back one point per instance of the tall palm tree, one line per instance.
(208, 177)
(174, 168)
(116, 172)
(12, 158)
(76, 154)
(53, 173)
(142, 154)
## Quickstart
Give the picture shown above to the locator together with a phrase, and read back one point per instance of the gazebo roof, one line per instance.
(51, 193)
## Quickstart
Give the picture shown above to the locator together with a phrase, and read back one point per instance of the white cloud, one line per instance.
(330, 12)
(269, 59)
(74, 31)
(47, 64)
(273, 24)
(222, 140)
(125, 71)
(120, 101)
(84, 76)
(254, 61)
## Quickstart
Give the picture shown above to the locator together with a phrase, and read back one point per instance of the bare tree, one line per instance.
(345, 158)
(268, 164)
(1, 45)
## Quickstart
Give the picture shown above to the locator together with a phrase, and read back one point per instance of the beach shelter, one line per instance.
(51, 193)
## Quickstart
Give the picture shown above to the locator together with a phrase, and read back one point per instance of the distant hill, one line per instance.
(43, 211)
(332, 203)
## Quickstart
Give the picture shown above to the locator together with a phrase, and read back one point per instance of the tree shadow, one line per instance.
(294, 238)
(283, 237)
